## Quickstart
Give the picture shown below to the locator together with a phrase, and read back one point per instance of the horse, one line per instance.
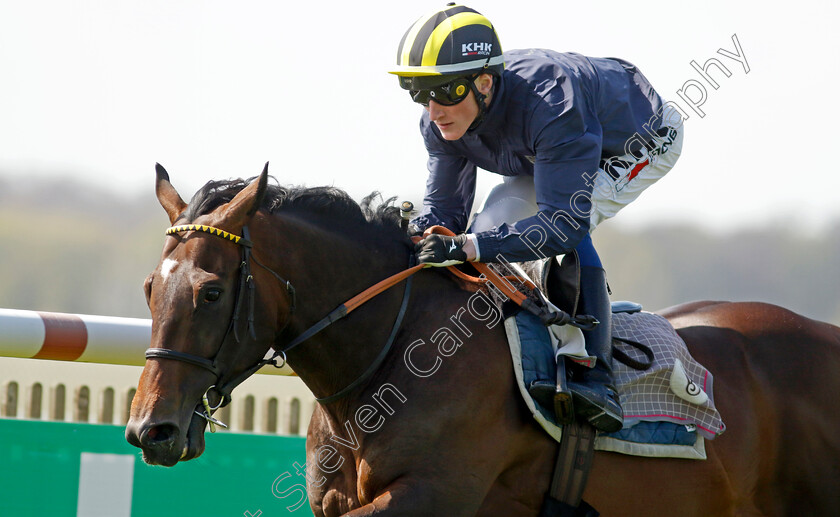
(419, 414)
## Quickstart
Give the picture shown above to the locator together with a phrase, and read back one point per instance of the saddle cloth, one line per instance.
(669, 407)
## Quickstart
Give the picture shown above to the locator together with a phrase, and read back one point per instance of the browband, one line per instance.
(211, 230)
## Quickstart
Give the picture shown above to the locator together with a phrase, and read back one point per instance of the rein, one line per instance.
(246, 286)
(548, 317)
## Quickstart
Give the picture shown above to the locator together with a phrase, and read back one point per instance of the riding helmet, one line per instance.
(454, 41)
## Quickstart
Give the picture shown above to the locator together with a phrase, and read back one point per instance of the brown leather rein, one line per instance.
(246, 286)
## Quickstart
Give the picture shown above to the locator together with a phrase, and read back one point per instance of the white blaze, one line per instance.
(167, 267)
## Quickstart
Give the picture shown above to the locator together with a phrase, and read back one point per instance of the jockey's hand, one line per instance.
(441, 250)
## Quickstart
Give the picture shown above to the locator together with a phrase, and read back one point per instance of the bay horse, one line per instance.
(428, 421)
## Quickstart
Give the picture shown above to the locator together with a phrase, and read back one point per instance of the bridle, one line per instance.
(246, 288)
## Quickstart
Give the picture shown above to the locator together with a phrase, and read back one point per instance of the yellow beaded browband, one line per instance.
(211, 230)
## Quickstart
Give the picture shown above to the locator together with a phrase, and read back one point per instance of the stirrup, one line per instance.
(564, 409)
(599, 415)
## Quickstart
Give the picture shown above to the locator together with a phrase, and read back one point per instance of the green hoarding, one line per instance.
(56, 469)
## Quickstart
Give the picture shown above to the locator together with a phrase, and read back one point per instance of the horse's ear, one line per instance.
(247, 202)
(168, 197)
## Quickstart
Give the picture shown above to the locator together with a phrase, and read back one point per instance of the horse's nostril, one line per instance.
(161, 433)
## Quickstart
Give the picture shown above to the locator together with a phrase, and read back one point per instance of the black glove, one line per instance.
(441, 251)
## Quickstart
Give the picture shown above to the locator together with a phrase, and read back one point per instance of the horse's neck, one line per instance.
(331, 269)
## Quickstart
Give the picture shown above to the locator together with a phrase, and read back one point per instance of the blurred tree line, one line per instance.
(68, 247)
(667, 265)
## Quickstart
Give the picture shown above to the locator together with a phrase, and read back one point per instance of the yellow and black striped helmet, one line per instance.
(455, 41)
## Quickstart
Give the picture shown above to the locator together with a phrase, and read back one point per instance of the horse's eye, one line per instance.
(212, 295)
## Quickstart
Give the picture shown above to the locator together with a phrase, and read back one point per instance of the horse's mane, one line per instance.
(331, 203)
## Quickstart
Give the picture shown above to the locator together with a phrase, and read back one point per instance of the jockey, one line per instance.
(576, 139)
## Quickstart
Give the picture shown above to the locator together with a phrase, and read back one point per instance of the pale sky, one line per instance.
(102, 90)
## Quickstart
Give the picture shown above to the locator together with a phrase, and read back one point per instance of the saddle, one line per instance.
(542, 335)
(666, 395)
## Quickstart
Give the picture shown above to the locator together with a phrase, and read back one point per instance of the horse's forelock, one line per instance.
(211, 196)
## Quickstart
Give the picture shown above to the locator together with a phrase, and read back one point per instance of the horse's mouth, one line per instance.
(194, 439)
(188, 453)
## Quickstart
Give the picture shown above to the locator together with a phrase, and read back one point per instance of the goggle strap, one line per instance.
(479, 98)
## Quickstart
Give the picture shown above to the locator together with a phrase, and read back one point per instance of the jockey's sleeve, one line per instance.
(564, 173)
(450, 191)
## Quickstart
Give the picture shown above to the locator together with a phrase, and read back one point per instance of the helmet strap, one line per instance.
(479, 98)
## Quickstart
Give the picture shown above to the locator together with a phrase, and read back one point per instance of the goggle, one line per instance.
(448, 94)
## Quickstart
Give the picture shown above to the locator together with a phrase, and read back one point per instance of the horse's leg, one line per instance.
(521, 487)
(461, 488)
(441, 452)
(415, 497)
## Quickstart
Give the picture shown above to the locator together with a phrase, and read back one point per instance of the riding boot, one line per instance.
(595, 397)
